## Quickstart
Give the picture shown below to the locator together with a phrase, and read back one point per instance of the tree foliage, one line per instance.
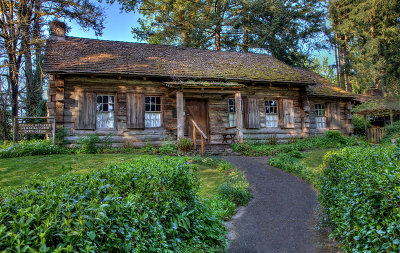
(21, 46)
(277, 27)
(369, 33)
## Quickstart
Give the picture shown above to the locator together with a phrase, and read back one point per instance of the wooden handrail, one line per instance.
(203, 136)
(198, 128)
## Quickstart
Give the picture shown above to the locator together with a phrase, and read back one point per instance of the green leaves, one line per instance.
(27, 148)
(123, 207)
(360, 191)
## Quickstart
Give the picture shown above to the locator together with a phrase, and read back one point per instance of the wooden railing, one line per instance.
(375, 135)
(202, 135)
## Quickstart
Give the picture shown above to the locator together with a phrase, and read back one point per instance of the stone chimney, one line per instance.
(57, 30)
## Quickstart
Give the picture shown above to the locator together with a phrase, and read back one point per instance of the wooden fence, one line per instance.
(375, 134)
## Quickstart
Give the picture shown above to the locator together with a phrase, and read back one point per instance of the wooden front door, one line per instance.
(197, 110)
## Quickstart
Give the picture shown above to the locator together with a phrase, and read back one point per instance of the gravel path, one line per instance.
(282, 215)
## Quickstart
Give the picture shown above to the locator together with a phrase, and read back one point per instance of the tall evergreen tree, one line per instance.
(277, 27)
(369, 33)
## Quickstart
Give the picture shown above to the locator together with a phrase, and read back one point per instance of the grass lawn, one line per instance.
(16, 171)
(313, 159)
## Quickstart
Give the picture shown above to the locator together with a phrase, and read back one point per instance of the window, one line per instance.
(320, 115)
(152, 112)
(271, 113)
(105, 111)
(232, 112)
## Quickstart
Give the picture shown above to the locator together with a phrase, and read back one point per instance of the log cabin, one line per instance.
(141, 93)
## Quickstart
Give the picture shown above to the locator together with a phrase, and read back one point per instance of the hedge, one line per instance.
(360, 192)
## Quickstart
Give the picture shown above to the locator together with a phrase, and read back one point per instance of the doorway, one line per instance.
(197, 110)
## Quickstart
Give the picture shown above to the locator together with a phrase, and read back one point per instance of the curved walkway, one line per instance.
(282, 215)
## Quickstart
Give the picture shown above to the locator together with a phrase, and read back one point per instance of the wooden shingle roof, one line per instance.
(91, 56)
(323, 87)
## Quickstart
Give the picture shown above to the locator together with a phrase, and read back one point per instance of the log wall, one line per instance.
(64, 92)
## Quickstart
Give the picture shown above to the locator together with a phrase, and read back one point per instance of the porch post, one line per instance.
(179, 115)
(391, 117)
(239, 116)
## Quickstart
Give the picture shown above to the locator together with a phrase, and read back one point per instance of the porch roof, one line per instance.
(90, 56)
(204, 84)
(379, 106)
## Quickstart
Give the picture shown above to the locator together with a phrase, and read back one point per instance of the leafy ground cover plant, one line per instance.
(332, 139)
(150, 204)
(360, 192)
(391, 132)
(29, 148)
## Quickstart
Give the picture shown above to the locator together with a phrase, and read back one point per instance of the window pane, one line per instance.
(158, 108)
(105, 99)
(273, 102)
(271, 120)
(231, 102)
(267, 109)
(232, 119)
(111, 108)
(153, 108)
(158, 100)
(112, 99)
(105, 120)
(98, 99)
(99, 106)
(147, 100)
(153, 100)
(147, 108)
(152, 119)
(105, 107)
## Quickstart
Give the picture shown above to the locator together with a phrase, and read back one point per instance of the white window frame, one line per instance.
(232, 112)
(153, 117)
(271, 113)
(320, 116)
(105, 110)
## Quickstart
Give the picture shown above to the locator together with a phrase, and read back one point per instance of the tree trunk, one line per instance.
(341, 68)
(347, 64)
(218, 37)
(245, 40)
(337, 63)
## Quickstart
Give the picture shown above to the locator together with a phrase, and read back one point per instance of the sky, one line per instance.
(118, 26)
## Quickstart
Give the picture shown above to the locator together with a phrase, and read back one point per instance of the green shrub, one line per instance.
(272, 140)
(149, 205)
(61, 133)
(235, 187)
(92, 143)
(290, 162)
(168, 148)
(333, 139)
(335, 136)
(360, 192)
(358, 123)
(29, 148)
(148, 149)
(184, 144)
(391, 132)
(88, 144)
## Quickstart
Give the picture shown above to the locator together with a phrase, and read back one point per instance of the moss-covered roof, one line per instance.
(379, 106)
(204, 84)
(323, 87)
(90, 56)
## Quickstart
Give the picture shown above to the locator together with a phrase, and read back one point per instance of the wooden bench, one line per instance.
(228, 136)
